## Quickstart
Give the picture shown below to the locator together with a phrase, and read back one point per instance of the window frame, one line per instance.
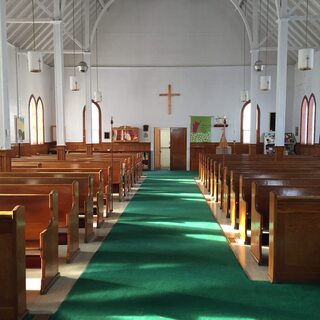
(35, 118)
(258, 116)
(42, 106)
(84, 122)
(307, 130)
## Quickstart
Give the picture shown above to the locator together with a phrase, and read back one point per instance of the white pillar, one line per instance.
(59, 82)
(88, 120)
(5, 143)
(281, 93)
(254, 87)
(87, 59)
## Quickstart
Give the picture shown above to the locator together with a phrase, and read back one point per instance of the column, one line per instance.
(88, 119)
(254, 87)
(59, 88)
(5, 143)
(87, 58)
(281, 93)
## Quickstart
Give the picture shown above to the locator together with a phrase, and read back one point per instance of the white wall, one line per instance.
(306, 83)
(170, 33)
(131, 96)
(38, 84)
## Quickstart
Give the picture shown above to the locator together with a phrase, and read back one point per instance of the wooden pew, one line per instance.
(245, 194)
(116, 171)
(85, 195)
(294, 239)
(261, 167)
(41, 232)
(68, 210)
(99, 187)
(260, 206)
(13, 304)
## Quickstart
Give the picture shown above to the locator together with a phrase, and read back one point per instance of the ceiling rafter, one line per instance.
(275, 28)
(19, 23)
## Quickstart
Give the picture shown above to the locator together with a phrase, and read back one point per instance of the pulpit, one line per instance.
(223, 147)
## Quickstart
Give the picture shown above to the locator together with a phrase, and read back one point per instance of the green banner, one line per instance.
(200, 129)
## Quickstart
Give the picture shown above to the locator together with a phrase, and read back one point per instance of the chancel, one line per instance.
(137, 206)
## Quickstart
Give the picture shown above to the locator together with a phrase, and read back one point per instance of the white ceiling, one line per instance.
(20, 28)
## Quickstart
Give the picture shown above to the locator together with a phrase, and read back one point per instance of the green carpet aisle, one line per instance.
(167, 259)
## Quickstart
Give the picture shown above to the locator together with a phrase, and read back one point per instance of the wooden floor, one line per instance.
(44, 305)
(241, 251)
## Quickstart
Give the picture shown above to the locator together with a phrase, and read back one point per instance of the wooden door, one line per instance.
(178, 144)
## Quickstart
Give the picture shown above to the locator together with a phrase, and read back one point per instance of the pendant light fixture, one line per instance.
(34, 57)
(74, 83)
(82, 66)
(258, 66)
(97, 95)
(244, 93)
(265, 80)
(306, 55)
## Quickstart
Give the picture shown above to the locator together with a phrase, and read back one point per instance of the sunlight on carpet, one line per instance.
(167, 258)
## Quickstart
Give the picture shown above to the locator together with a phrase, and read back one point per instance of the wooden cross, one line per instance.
(169, 95)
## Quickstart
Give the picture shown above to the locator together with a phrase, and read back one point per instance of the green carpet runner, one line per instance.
(166, 258)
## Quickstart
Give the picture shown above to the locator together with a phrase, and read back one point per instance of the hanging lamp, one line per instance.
(97, 95)
(258, 66)
(82, 66)
(306, 55)
(265, 80)
(74, 83)
(34, 57)
(244, 93)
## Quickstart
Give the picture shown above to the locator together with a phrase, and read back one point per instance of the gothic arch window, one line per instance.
(95, 122)
(246, 123)
(36, 120)
(308, 120)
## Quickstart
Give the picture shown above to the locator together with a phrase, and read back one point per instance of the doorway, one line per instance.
(170, 148)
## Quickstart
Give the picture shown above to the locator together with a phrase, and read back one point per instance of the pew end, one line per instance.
(13, 303)
(292, 220)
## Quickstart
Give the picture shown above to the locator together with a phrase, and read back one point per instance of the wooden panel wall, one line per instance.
(308, 150)
(27, 149)
(117, 146)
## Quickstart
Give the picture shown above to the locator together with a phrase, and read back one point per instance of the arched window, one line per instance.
(246, 123)
(36, 120)
(308, 120)
(95, 122)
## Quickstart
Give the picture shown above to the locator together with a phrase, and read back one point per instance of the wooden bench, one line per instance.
(284, 166)
(13, 304)
(85, 195)
(294, 239)
(68, 210)
(245, 194)
(240, 188)
(99, 188)
(260, 206)
(116, 171)
(41, 232)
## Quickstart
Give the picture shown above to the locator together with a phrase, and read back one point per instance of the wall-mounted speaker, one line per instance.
(145, 128)
(296, 132)
(107, 135)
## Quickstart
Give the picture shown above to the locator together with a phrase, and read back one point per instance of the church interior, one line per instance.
(158, 159)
